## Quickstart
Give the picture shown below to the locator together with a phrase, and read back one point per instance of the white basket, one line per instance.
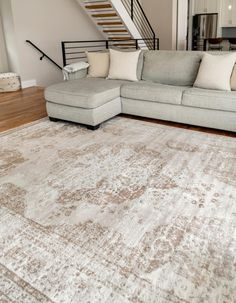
(9, 82)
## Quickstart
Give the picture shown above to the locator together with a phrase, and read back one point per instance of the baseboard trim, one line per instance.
(28, 83)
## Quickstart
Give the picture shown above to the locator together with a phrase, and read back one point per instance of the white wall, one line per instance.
(3, 53)
(46, 23)
(9, 35)
(169, 20)
(160, 14)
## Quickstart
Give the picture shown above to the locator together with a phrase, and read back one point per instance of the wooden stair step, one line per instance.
(109, 23)
(95, 2)
(119, 38)
(104, 15)
(125, 45)
(98, 6)
(115, 31)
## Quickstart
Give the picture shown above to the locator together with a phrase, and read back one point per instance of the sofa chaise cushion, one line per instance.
(210, 99)
(84, 93)
(172, 68)
(148, 91)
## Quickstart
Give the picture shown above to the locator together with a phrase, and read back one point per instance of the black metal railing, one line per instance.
(137, 14)
(43, 54)
(73, 51)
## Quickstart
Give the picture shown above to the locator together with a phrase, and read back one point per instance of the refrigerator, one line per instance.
(204, 27)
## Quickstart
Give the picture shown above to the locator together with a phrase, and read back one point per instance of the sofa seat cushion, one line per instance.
(85, 93)
(148, 91)
(210, 99)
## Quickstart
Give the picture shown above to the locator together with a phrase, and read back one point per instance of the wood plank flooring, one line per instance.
(28, 105)
(186, 126)
(21, 107)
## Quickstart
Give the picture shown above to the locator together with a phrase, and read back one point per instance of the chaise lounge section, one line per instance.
(88, 101)
(164, 92)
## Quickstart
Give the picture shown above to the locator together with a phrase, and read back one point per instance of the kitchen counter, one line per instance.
(225, 43)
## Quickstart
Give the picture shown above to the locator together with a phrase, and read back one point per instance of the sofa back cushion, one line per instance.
(171, 67)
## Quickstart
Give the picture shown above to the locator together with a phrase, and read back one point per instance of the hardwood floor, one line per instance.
(28, 105)
(186, 126)
(18, 108)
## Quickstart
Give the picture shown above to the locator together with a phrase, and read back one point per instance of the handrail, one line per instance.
(43, 54)
(146, 18)
(138, 16)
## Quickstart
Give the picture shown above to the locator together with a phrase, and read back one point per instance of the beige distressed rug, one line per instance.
(134, 212)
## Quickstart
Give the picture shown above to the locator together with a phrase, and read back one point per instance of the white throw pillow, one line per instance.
(233, 79)
(98, 64)
(124, 65)
(215, 71)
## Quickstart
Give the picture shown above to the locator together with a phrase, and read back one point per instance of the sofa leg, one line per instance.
(91, 127)
(53, 119)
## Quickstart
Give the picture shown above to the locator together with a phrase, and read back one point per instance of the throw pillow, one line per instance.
(124, 65)
(215, 71)
(140, 60)
(98, 64)
(233, 79)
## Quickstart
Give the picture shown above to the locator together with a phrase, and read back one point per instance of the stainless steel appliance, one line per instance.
(204, 27)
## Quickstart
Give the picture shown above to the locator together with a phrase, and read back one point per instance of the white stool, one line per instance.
(9, 82)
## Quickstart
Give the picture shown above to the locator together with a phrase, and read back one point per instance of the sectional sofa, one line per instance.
(165, 91)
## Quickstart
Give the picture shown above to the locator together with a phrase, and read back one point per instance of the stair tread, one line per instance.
(125, 45)
(120, 38)
(98, 6)
(104, 15)
(115, 31)
(110, 23)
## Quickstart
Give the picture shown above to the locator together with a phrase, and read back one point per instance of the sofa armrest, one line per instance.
(78, 75)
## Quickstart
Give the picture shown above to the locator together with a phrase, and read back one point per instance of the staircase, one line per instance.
(121, 21)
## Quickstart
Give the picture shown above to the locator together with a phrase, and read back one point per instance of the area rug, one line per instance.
(133, 212)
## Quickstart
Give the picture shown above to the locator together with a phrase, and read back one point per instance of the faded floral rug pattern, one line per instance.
(134, 212)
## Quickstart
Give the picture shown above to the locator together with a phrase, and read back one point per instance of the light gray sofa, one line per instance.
(165, 91)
